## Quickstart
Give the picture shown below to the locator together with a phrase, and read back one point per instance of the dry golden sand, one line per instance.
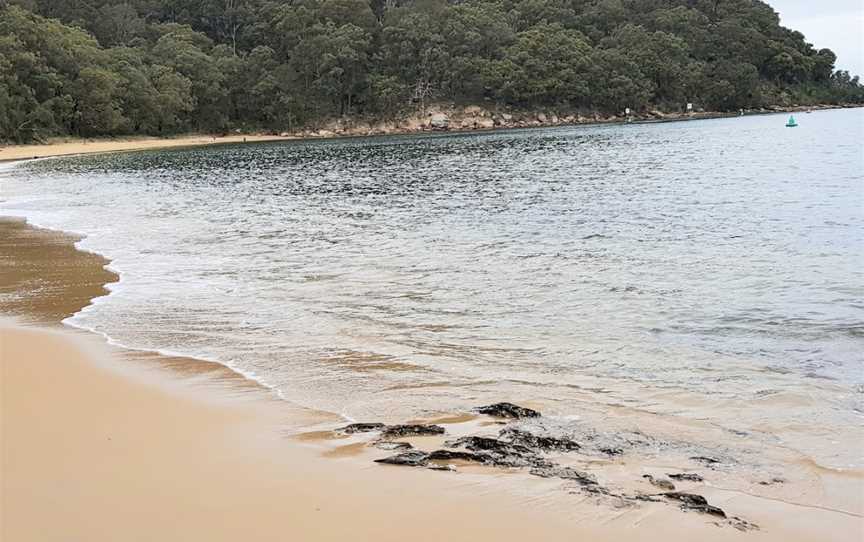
(99, 445)
(92, 454)
(84, 146)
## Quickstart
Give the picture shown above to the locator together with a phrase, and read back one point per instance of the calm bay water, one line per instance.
(708, 270)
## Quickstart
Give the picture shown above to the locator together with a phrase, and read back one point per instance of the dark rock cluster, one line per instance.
(565, 473)
(411, 430)
(482, 450)
(391, 431)
(690, 501)
(498, 452)
(508, 410)
(707, 461)
(413, 458)
(525, 444)
(687, 476)
(540, 442)
(361, 428)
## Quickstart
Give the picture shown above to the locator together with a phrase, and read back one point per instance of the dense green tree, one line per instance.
(661, 57)
(99, 67)
(617, 82)
(186, 52)
(96, 102)
(413, 51)
(546, 65)
(117, 24)
(173, 100)
(728, 85)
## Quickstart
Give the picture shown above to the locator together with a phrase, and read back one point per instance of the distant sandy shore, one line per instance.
(72, 146)
(102, 445)
(86, 146)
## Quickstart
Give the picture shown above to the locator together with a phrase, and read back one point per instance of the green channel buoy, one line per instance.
(791, 122)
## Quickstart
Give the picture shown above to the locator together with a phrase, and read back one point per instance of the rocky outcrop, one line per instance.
(508, 410)
(687, 476)
(445, 117)
(545, 443)
(413, 458)
(360, 428)
(475, 111)
(418, 458)
(565, 473)
(391, 431)
(498, 452)
(530, 441)
(439, 122)
(489, 444)
(451, 455)
(690, 501)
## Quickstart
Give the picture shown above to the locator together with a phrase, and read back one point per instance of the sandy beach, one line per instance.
(90, 453)
(77, 146)
(467, 271)
(94, 146)
(99, 444)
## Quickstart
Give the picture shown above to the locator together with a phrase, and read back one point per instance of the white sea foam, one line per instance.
(647, 266)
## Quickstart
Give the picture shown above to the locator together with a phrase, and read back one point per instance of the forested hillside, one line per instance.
(104, 67)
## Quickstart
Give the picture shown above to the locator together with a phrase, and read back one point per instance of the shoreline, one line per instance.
(410, 126)
(183, 440)
(188, 462)
(338, 464)
(50, 260)
(77, 147)
(180, 447)
(272, 469)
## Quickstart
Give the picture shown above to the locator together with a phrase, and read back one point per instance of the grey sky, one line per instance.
(835, 24)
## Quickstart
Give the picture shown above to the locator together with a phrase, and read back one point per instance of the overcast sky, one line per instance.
(835, 24)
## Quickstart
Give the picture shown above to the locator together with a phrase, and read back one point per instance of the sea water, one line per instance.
(706, 271)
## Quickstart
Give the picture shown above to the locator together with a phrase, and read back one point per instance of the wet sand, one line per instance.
(84, 146)
(43, 277)
(102, 445)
